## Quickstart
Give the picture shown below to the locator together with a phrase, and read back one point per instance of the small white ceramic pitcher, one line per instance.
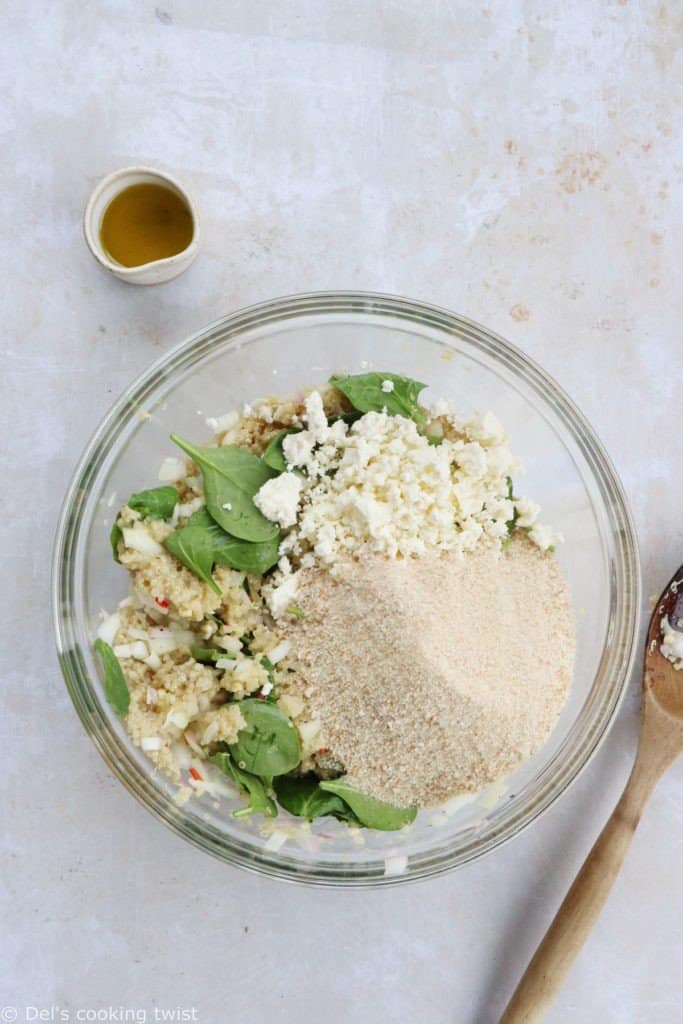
(147, 273)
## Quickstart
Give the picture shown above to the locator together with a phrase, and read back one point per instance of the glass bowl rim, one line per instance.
(625, 586)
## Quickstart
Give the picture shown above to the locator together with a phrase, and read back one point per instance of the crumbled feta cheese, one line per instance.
(527, 511)
(298, 448)
(278, 499)
(280, 597)
(266, 688)
(387, 386)
(227, 506)
(391, 491)
(544, 536)
(315, 417)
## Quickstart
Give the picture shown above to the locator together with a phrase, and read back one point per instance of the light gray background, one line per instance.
(517, 162)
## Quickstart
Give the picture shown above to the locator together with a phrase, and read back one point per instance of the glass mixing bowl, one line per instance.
(284, 345)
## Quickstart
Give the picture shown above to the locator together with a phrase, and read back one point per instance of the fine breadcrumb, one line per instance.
(435, 676)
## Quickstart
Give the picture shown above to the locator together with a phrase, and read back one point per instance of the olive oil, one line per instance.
(144, 223)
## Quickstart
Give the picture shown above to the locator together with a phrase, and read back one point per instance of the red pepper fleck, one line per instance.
(195, 774)
(259, 696)
(323, 750)
(163, 602)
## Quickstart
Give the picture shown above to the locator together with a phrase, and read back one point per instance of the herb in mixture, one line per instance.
(365, 393)
(269, 745)
(258, 800)
(232, 476)
(244, 555)
(371, 812)
(115, 686)
(303, 797)
(274, 456)
(157, 503)
(115, 538)
(210, 655)
(193, 546)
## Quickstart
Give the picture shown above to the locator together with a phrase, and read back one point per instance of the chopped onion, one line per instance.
(108, 629)
(138, 539)
(152, 743)
(135, 650)
(228, 663)
(395, 865)
(275, 841)
(163, 645)
(221, 423)
(279, 652)
(171, 470)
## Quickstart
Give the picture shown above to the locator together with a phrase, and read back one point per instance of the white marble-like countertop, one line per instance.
(517, 162)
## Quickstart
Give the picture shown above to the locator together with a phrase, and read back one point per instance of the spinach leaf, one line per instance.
(232, 476)
(158, 503)
(364, 391)
(304, 798)
(259, 801)
(246, 556)
(274, 456)
(115, 537)
(193, 547)
(511, 523)
(269, 745)
(371, 812)
(210, 655)
(115, 685)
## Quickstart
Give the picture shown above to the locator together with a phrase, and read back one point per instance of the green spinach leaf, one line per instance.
(274, 456)
(232, 476)
(269, 744)
(304, 798)
(259, 801)
(246, 556)
(210, 655)
(371, 812)
(193, 547)
(115, 685)
(115, 538)
(157, 503)
(364, 391)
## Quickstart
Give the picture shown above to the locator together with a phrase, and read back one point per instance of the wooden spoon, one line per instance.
(660, 743)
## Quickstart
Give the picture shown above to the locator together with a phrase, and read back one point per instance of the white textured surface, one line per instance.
(517, 163)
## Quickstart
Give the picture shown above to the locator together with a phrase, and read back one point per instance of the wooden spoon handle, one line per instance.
(582, 904)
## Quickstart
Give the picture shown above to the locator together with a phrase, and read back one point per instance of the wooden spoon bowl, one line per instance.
(660, 743)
